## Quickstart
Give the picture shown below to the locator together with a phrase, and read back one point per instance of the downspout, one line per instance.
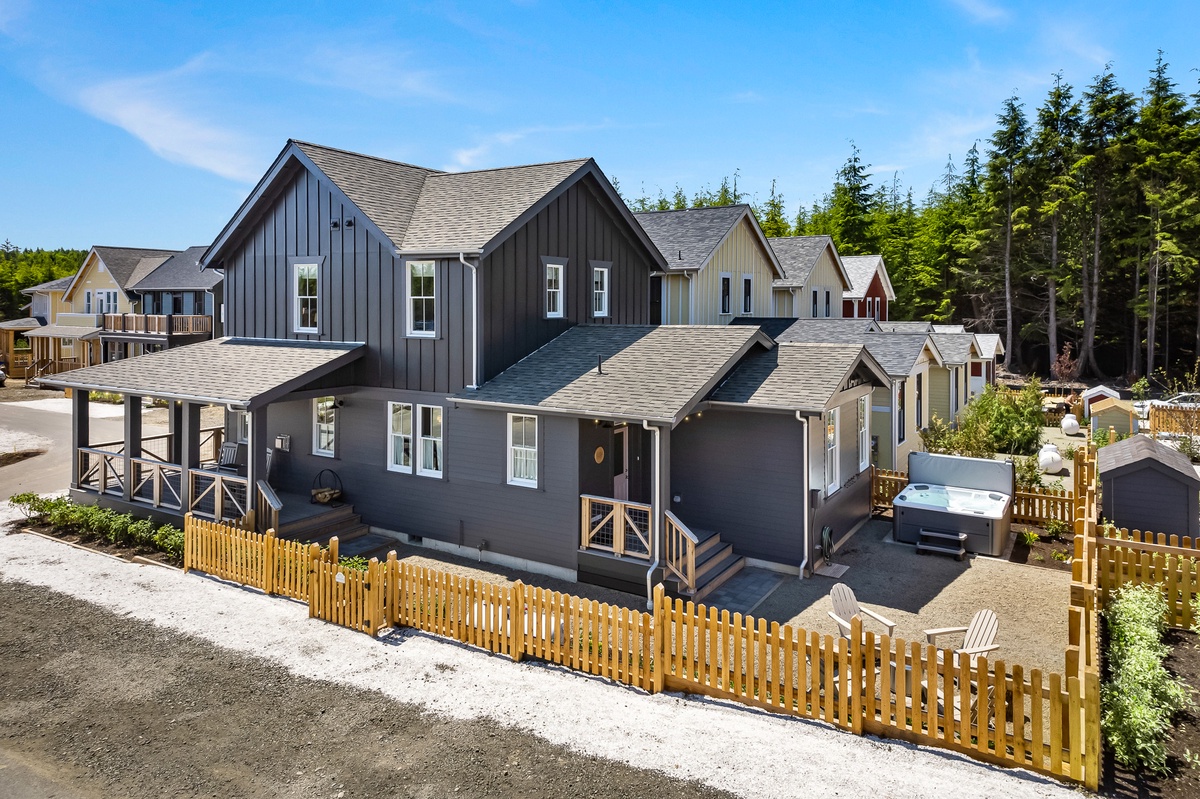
(804, 487)
(655, 511)
(691, 276)
(474, 320)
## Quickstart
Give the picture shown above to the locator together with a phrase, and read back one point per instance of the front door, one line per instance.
(621, 464)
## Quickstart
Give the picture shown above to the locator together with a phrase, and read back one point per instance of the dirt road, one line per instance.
(94, 704)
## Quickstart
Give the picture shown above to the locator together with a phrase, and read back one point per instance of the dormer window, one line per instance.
(304, 290)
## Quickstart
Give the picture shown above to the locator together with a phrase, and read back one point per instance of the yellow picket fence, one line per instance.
(353, 598)
(1138, 558)
(1174, 420)
(1036, 506)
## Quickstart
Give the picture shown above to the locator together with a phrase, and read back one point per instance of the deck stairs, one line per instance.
(943, 543)
(716, 563)
(301, 520)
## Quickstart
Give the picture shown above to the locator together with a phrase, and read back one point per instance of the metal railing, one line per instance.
(616, 526)
(101, 471)
(157, 484)
(216, 495)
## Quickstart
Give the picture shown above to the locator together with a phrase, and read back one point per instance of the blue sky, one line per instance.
(147, 124)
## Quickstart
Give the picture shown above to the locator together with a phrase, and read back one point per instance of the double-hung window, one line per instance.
(324, 426)
(747, 295)
(814, 303)
(422, 299)
(304, 291)
(599, 291)
(555, 294)
(828, 309)
(87, 301)
(726, 293)
(920, 404)
(429, 434)
(522, 450)
(864, 432)
(901, 412)
(831, 451)
(400, 437)
(239, 427)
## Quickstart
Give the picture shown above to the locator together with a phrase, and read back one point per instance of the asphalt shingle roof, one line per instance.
(814, 331)
(62, 284)
(861, 271)
(22, 323)
(949, 329)
(798, 255)
(226, 371)
(179, 273)
(649, 372)
(955, 347)
(989, 344)
(790, 376)
(122, 262)
(897, 353)
(906, 327)
(1122, 455)
(688, 238)
(465, 210)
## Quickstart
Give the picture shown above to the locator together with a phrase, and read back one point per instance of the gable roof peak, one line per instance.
(306, 144)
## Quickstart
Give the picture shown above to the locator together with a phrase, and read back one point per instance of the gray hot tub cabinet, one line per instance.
(941, 530)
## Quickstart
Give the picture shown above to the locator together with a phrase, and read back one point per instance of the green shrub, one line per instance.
(118, 528)
(1100, 437)
(1140, 699)
(1057, 528)
(92, 523)
(1140, 388)
(1029, 537)
(1069, 451)
(169, 539)
(1029, 473)
(356, 562)
(141, 531)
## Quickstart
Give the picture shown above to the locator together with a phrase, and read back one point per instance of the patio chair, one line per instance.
(846, 607)
(229, 458)
(979, 637)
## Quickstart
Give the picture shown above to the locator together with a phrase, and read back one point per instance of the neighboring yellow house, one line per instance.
(45, 301)
(949, 384)
(1115, 413)
(721, 267)
(71, 337)
(814, 276)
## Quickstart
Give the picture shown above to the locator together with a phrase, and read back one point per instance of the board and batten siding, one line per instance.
(784, 303)
(939, 394)
(741, 474)
(471, 503)
(825, 275)
(361, 291)
(582, 226)
(677, 300)
(739, 254)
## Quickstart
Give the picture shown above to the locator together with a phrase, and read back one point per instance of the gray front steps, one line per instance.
(716, 563)
(943, 543)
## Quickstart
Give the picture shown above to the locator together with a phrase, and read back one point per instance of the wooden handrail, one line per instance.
(681, 551)
(267, 505)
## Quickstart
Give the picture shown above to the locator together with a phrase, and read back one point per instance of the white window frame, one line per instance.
(414, 298)
(241, 427)
(392, 436)
(919, 401)
(953, 393)
(815, 297)
(422, 468)
(317, 426)
(87, 301)
(298, 299)
(828, 304)
(831, 444)
(725, 294)
(600, 296)
(67, 343)
(556, 309)
(901, 409)
(523, 450)
(864, 432)
(747, 296)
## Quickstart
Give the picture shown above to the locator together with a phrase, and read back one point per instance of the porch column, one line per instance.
(80, 435)
(256, 459)
(175, 427)
(133, 440)
(188, 434)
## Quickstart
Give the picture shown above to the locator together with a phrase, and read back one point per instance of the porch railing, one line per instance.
(54, 366)
(616, 526)
(101, 471)
(267, 506)
(216, 495)
(158, 447)
(156, 483)
(158, 324)
(681, 550)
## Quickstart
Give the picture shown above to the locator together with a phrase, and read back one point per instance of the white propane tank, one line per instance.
(1049, 459)
(1069, 425)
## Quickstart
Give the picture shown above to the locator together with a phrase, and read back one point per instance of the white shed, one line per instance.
(1094, 394)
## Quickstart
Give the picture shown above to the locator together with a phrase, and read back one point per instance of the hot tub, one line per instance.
(975, 516)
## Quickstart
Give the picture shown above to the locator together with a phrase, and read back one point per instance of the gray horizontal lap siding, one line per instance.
(361, 289)
(580, 226)
(471, 503)
(741, 475)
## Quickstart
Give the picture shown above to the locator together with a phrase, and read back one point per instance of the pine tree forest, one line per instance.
(1075, 226)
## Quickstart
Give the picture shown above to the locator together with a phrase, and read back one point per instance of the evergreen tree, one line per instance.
(1006, 189)
(772, 217)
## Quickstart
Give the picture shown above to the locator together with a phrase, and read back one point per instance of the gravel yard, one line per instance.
(920, 592)
(242, 694)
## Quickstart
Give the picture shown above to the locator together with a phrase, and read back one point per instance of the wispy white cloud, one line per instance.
(1069, 36)
(162, 111)
(982, 11)
(475, 156)
(11, 12)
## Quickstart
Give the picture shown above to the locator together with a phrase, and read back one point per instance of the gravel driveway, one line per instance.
(434, 714)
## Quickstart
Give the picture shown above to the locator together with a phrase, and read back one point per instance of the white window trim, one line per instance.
(316, 437)
(864, 432)
(87, 301)
(561, 291)
(828, 304)
(296, 327)
(419, 439)
(721, 310)
(815, 298)
(603, 295)
(832, 485)
(408, 322)
(392, 466)
(520, 481)
(747, 279)
(240, 425)
(900, 407)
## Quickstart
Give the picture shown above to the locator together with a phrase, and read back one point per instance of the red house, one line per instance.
(870, 289)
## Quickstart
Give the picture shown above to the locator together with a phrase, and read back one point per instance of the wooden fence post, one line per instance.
(189, 542)
(314, 561)
(333, 550)
(1091, 730)
(270, 553)
(856, 675)
(517, 619)
(661, 646)
(374, 598)
(391, 579)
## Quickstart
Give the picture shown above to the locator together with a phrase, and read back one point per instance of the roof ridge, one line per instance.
(744, 206)
(792, 238)
(443, 173)
(138, 249)
(367, 155)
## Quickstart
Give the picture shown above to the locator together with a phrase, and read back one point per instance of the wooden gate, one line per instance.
(350, 597)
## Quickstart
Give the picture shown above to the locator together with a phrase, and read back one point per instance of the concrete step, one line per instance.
(360, 542)
(735, 564)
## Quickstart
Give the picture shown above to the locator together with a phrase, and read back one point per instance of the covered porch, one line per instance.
(215, 471)
(63, 347)
(15, 346)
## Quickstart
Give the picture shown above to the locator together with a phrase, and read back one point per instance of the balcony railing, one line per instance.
(158, 324)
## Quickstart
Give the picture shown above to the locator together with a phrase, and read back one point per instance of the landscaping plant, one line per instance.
(93, 523)
(1141, 697)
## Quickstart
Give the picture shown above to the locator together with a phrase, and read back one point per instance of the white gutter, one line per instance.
(804, 486)
(655, 510)
(474, 320)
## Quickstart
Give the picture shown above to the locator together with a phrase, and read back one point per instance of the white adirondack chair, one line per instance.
(846, 607)
(979, 637)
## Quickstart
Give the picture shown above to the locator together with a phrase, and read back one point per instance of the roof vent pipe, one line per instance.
(599, 364)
